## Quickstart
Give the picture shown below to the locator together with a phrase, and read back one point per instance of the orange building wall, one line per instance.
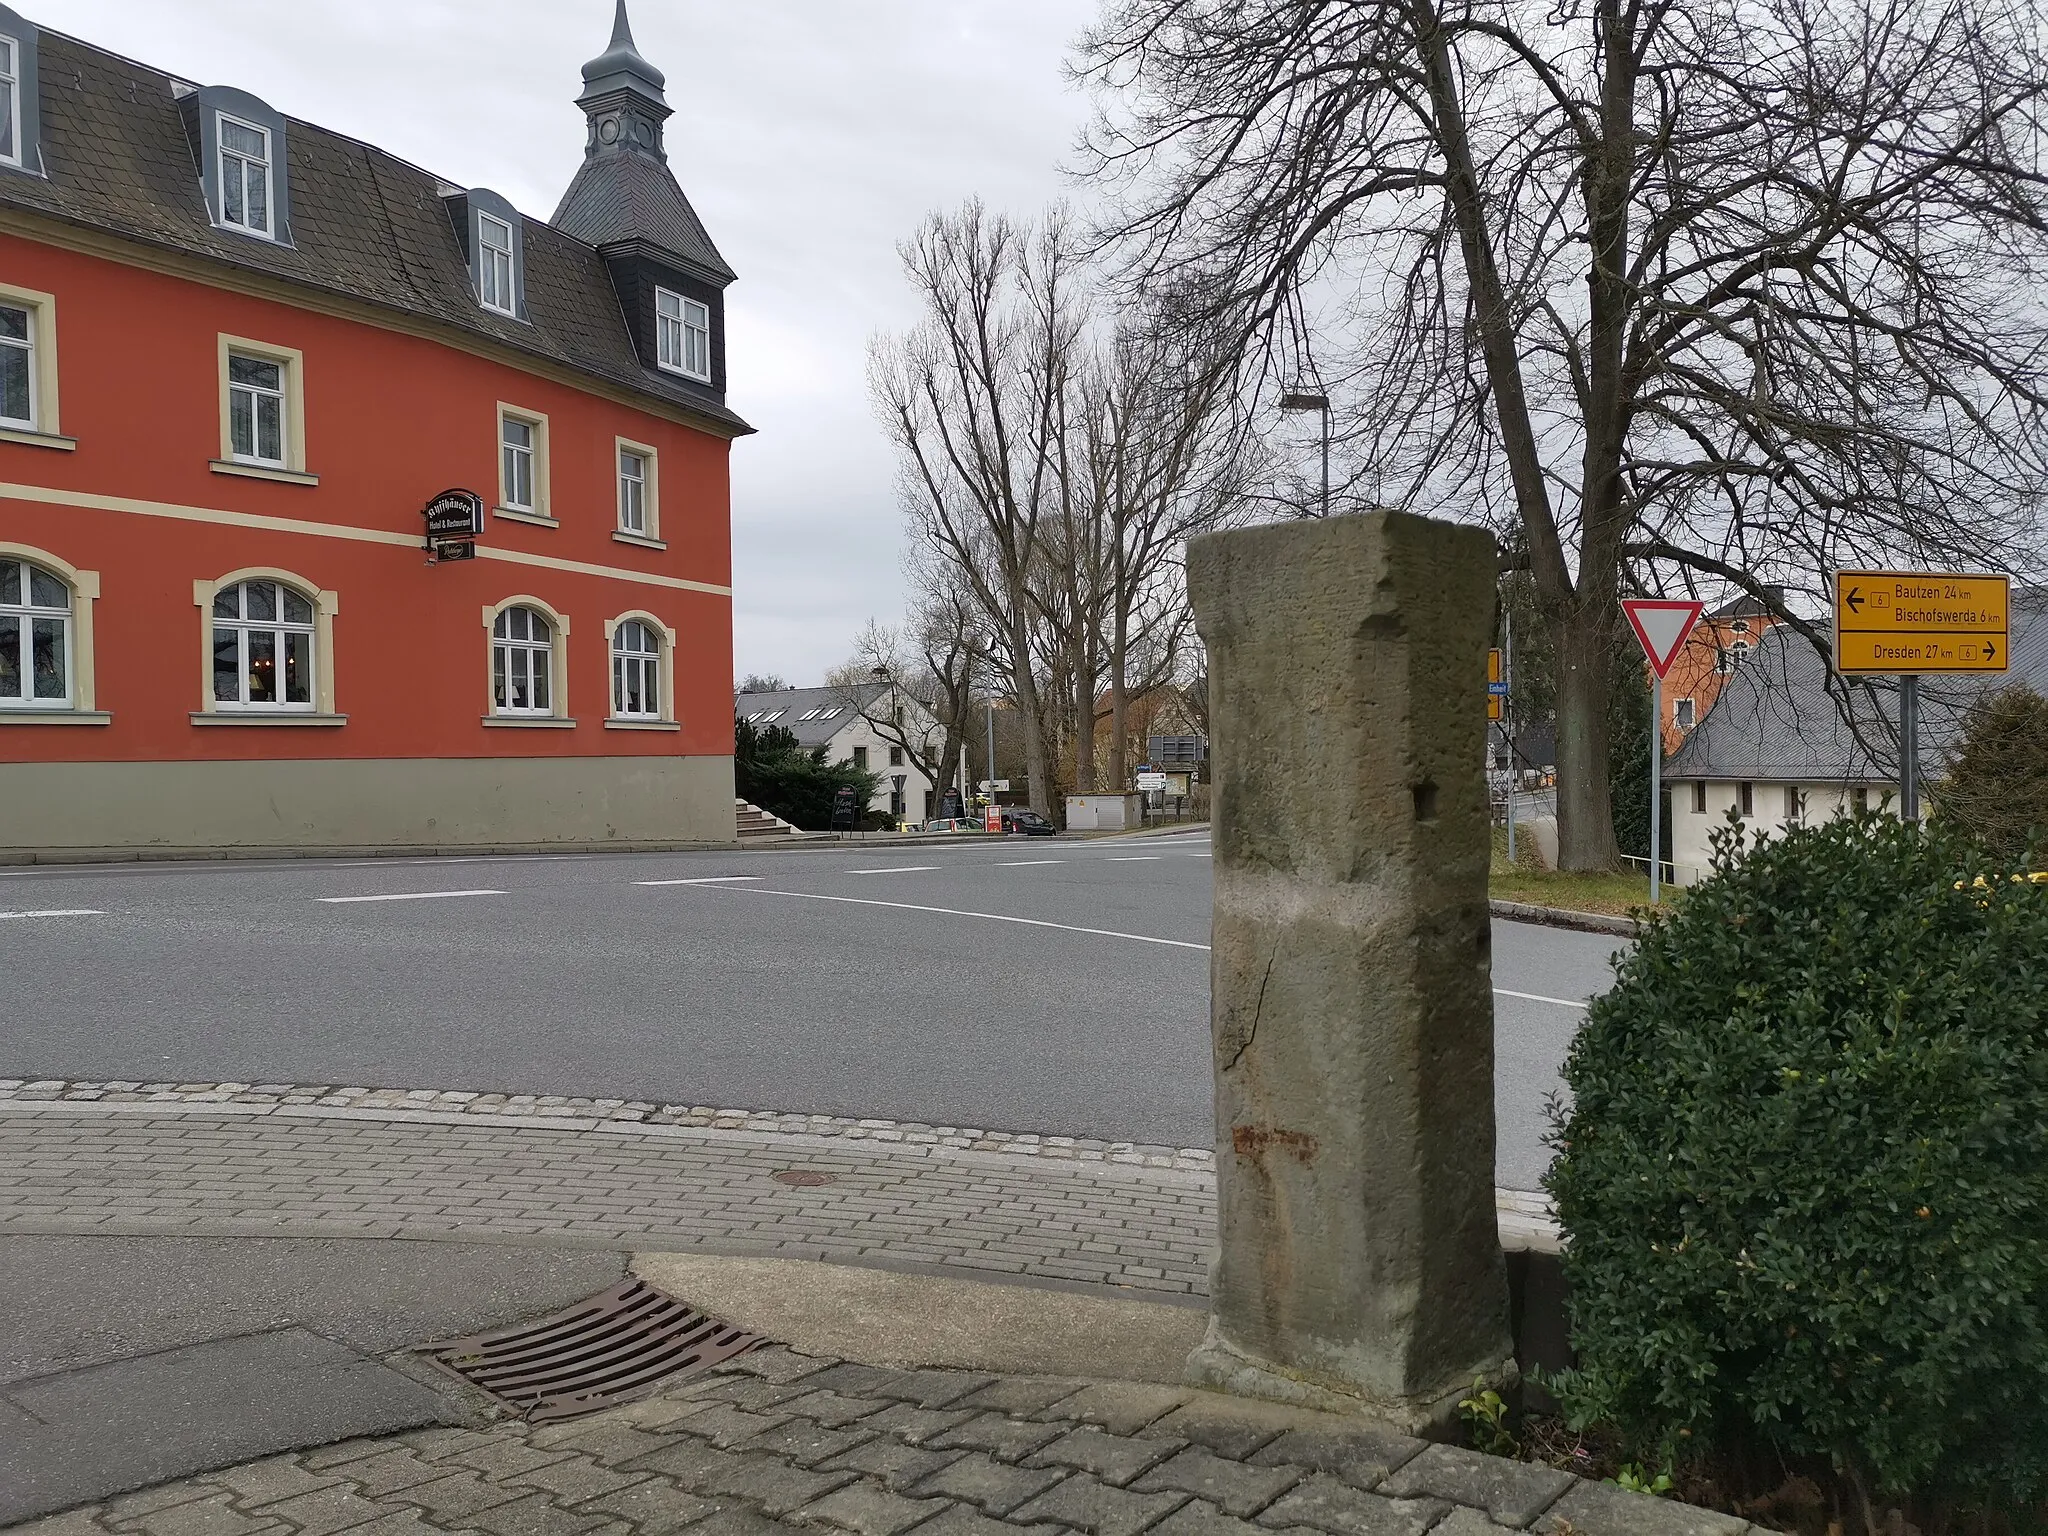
(390, 420)
(1695, 672)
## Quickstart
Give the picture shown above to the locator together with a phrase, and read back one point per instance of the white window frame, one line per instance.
(221, 152)
(658, 711)
(257, 393)
(633, 485)
(539, 508)
(34, 314)
(278, 627)
(496, 266)
(1681, 707)
(10, 76)
(682, 326)
(537, 657)
(26, 614)
(517, 463)
(291, 366)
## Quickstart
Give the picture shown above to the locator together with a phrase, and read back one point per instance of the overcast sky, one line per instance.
(811, 135)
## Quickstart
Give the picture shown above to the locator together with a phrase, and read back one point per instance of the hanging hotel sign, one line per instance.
(454, 519)
(1921, 621)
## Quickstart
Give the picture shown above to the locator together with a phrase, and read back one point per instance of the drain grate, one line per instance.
(612, 1348)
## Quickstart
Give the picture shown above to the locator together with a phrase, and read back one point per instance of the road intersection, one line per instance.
(1055, 988)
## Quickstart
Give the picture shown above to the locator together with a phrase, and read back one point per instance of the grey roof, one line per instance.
(617, 199)
(1776, 720)
(624, 193)
(795, 703)
(365, 225)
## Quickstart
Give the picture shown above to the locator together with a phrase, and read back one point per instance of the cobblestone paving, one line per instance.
(588, 1114)
(1147, 1228)
(219, 1167)
(778, 1444)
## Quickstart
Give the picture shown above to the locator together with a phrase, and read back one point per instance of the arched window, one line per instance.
(522, 663)
(35, 637)
(636, 672)
(262, 647)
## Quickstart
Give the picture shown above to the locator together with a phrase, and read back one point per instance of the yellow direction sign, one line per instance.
(1921, 621)
(1496, 688)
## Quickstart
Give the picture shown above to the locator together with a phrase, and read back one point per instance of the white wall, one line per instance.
(918, 798)
(1691, 854)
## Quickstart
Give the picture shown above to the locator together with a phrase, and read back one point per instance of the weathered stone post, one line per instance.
(1359, 1267)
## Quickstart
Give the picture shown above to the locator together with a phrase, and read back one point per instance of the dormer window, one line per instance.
(245, 198)
(494, 264)
(20, 114)
(10, 101)
(684, 335)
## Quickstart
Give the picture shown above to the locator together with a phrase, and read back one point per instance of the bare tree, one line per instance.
(1729, 290)
(931, 668)
(973, 400)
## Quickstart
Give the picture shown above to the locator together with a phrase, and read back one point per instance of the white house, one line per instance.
(843, 722)
(1776, 748)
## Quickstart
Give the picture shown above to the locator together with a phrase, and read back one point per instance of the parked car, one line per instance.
(1027, 823)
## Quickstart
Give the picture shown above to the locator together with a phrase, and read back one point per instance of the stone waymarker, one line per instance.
(1359, 1267)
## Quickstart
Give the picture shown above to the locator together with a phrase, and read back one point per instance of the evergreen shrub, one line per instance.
(1804, 1171)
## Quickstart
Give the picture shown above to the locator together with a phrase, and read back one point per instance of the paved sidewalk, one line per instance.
(196, 1162)
(778, 1442)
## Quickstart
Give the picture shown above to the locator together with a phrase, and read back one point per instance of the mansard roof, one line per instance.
(365, 225)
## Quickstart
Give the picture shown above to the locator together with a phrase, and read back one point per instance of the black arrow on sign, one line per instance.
(1990, 651)
(1854, 600)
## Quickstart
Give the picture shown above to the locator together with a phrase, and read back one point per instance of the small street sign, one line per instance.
(1661, 625)
(1151, 781)
(1496, 686)
(1912, 622)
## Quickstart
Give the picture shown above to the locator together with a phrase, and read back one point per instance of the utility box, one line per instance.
(1104, 813)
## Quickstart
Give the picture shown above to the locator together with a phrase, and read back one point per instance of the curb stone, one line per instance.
(1564, 917)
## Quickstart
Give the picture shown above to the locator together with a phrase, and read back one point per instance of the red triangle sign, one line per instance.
(1661, 625)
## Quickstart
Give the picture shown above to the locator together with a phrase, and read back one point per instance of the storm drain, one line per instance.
(612, 1348)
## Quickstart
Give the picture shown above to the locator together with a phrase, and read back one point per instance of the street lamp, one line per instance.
(1299, 400)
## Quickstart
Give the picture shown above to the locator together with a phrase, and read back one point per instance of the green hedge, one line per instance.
(1804, 1172)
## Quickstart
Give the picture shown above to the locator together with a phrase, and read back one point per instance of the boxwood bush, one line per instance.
(1804, 1170)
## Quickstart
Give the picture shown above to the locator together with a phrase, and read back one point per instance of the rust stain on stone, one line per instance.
(1258, 1140)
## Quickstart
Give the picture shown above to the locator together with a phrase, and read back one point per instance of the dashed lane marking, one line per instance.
(1028, 863)
(896, 869)
(55, 912)
(342, 901)
(1136, 858)
(705, 880)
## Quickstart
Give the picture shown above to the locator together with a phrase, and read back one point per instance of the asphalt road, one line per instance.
(1050, 986)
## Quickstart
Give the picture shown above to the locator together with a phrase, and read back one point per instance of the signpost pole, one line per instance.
(1656, 786)
(1909, 748)
(1507, 724)
(991, 753)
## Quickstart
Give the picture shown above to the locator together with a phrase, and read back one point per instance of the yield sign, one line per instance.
(1661, 625)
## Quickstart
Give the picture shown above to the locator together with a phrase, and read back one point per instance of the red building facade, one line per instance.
(239, 355)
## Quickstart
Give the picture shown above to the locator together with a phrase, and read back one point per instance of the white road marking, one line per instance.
(56, 912)
(1537, 997)
(1136, 858)
(1201, 855)
(896, 869)
(993, 917)
(705, 880)
(339, 901)
(1028, 863)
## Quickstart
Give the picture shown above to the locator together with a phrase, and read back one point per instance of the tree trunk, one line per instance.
(1585, 813)
(1119, 705)
(1031, 714)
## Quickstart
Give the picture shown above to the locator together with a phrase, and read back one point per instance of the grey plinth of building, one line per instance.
(1359, 1265)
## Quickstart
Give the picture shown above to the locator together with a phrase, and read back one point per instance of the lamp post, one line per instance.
(1299, 400)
